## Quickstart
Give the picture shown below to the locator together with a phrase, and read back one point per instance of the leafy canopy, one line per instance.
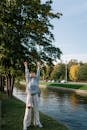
(25, 33)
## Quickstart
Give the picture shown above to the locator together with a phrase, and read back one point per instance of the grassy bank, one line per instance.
(12, 112)
(66, 85)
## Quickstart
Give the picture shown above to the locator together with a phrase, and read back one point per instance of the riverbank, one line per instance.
(12, 112)
(66, 85)
(72, 85)
(78, 88)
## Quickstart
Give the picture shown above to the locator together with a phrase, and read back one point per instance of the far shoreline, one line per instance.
(62, 87)
(77, 91)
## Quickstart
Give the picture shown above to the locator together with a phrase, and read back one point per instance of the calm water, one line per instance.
(65, 107)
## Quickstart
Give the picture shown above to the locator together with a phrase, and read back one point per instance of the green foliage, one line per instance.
(66, 85)
(25, 33)
(46, 71)
(58, 72)
(83, 72)
(2, 70)
(73, 86)
(77, 72)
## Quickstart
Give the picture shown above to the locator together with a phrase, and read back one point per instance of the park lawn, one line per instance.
(84, 87)
(12, 112)
(66, 85)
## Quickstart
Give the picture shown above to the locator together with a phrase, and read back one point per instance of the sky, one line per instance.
(70, 31)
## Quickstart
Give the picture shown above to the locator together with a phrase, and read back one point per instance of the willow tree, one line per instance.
(25, 34)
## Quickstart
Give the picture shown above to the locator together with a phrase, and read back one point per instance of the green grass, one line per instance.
(12, 116)
(66, 85)
(84, 87)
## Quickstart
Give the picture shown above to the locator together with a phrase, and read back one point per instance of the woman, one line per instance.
(32, 88)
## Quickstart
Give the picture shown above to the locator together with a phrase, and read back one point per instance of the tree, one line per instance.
(83, 72)
(2, 79)
(72, 62)
(58, 72)
(25, 35)
(74, 71)
(46, 71)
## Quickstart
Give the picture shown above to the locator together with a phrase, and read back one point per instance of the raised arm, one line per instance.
(27, 75)
(38, 70)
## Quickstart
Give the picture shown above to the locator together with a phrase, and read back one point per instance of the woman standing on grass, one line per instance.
(32, 101)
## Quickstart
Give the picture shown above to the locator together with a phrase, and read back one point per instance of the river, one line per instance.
(66, 107)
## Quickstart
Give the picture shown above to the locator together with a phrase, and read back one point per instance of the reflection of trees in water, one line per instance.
(85, 107)
(60, 96)
(68, 98)
(83, 101)
(74, 100)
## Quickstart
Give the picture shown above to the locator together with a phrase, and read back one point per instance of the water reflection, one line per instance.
(68, 108)
(64, 106)
(74, 100)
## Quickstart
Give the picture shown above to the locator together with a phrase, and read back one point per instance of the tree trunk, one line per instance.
(12, 84)
(2, 83)
(9, 84)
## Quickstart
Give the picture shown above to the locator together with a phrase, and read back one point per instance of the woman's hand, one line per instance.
(38, 64)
